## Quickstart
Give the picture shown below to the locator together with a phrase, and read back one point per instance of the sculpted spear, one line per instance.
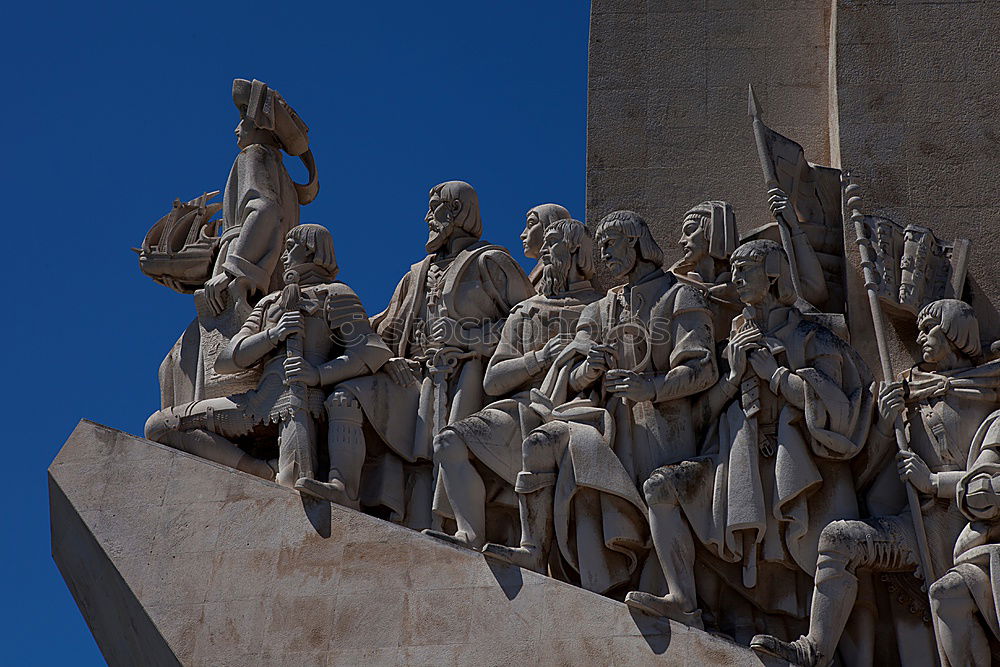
(871, 286)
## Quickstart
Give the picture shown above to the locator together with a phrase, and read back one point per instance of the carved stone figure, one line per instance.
(312, 334)
(648, 350)
(533, 336)
(794, 407)
(945, 398)
(260, 202)
(537, 221)
(966, 600)
(442, 325)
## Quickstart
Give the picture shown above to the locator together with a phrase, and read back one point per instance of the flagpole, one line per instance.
(771, 179)
(871, 286)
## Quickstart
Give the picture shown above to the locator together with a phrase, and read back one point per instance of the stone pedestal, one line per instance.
(174, 559)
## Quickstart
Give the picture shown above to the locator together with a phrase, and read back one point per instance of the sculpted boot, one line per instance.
(535, 499)
(799, 652)
(346, 443)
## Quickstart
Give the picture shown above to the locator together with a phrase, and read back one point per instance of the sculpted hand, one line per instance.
(913, 469)
(215, 291)
(553, 347)
(777, 201)
(290, 323)
(398, 369)
(595, 363)
(763, 363)
(445, 330)
(298, 369)
(630, 385)
(890, 404)
(736, 352)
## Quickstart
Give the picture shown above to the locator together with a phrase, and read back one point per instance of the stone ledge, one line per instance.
(173, 559)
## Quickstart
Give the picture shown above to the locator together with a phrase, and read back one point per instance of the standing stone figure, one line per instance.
(965, 602)
(794, 407)
(534, 335)
(260, 202)
(946, 397)
(336, 340)
(442, 325)
(537, 221)
(648, 351)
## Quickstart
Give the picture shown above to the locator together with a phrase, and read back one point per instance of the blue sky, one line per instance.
(115, 109)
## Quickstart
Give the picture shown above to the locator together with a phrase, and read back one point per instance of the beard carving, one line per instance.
(619, 266)
(438, 234)
(555, 273)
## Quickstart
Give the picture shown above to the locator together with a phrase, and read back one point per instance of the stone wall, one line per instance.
(173, 559)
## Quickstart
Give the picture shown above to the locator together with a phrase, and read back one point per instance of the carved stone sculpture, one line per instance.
(537, 221)
(260, 202)
(966, 600)
(791, 412)
(944, 400)
(442, 325)
(533, 337)
(312, 334)
(647, 348)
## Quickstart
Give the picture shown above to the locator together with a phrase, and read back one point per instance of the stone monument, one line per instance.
(778, 445)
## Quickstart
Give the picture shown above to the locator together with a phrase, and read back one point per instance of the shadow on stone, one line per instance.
(655, 631)
(318, 512)
(508, 576)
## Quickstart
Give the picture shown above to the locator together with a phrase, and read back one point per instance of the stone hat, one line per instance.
(269, 111)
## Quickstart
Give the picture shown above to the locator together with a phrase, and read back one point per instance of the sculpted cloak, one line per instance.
(776, 471)
(259, 206)
(614, 445)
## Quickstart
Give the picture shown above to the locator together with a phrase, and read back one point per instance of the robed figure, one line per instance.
(442, 325)
(783, 424)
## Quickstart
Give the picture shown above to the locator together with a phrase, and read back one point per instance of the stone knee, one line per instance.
(950, 597)
(538, 451)
(660, 488)
(160, 425)
(449, 447)
(341, 406)
(843, 545)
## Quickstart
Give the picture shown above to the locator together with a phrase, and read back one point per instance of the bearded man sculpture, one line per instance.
(646, 348)
(442, 325)
(534, 335)
(335, 342)
(947, 397)
(794, 407)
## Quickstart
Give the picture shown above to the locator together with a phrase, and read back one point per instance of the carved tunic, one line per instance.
(776, 469)
(495, 433)
(260, 205)
(478, 287)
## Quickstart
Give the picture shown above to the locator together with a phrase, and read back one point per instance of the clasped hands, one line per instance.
(747, 344)
(297, 369)
(617, 381)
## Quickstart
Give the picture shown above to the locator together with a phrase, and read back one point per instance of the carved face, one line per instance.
(693, 241)
(440, 221)
(531, 237)
(750, 279)
(616, 251)
(245, 131)
(934, 344)
(296, 254)
(556, 257)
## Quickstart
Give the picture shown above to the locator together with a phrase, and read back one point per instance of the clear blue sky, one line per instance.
(114, 110)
